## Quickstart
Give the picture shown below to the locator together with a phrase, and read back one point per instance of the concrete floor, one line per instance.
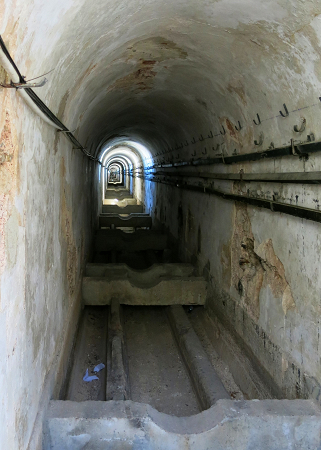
(157, 372)
(175, 361)
(90, 350)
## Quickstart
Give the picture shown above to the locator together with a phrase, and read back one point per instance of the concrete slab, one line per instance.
(124, 202)
(126, 209)
(232, 425)
(118, 194)
(166, 291)
(131, 242)
(117, 379)
(136, 221)
(157, 373)
(89, 351)
(148, 276)
(206, 382)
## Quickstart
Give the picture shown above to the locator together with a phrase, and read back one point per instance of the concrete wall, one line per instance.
(263, 269)
(164, 74)
(45, 236)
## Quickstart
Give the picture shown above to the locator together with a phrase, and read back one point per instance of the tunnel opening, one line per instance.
(159, 216)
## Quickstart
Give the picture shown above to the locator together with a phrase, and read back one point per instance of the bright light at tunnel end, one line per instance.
(143, 151)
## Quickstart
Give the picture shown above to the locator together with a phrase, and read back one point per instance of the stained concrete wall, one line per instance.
(263, 271)
(166, 74)
(45, 231)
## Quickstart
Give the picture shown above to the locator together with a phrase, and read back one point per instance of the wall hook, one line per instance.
(193, 141)
(239, 128)
(201, 138)
(194, 154)
(25, 85)
(302, 127)
(222, 155)
(177, 147)
(224, 131)
(217, 148)
(210, 135)
(205, 151)
(258, 120)
(286, 111)
(187, 144)
(260, 141)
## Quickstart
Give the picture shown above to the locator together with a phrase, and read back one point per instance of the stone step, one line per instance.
(132, 220)
(126, 201)
(148, 276)
(118, 194)
(161, 291)
(233, 425)
(130, 242)
(127, 209)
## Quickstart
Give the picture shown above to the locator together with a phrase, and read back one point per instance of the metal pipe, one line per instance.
(301, 150)
(290, 177)
(292, 210)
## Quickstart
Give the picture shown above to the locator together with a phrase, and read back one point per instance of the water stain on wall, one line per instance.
(253, 269)
(146, 55)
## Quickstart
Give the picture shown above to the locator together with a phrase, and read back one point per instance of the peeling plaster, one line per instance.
(255, 268)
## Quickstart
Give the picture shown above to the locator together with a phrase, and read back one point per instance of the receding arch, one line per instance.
(135, 156)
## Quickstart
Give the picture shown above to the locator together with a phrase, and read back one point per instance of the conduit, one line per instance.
(32, 100)
(274, 206)
(301, 150)
(287, 177)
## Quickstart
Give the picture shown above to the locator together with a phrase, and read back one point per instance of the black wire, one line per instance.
(44, 108)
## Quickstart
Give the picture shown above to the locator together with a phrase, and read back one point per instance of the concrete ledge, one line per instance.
(119, 192)
(127, 209)
(136, 221)
(131, 242)
(152, 273)
(232, 425)
(206, 382)
(179, 291)
(126, 201)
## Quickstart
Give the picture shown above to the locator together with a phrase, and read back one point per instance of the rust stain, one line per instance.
(141, 79)
(231, 133)
(8, 177)
(231, 128)
(236, 86)
(146, 54)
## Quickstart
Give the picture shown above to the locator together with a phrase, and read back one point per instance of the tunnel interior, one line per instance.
(173, 148)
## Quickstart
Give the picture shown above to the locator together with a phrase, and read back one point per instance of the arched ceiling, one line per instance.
(163, 72)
